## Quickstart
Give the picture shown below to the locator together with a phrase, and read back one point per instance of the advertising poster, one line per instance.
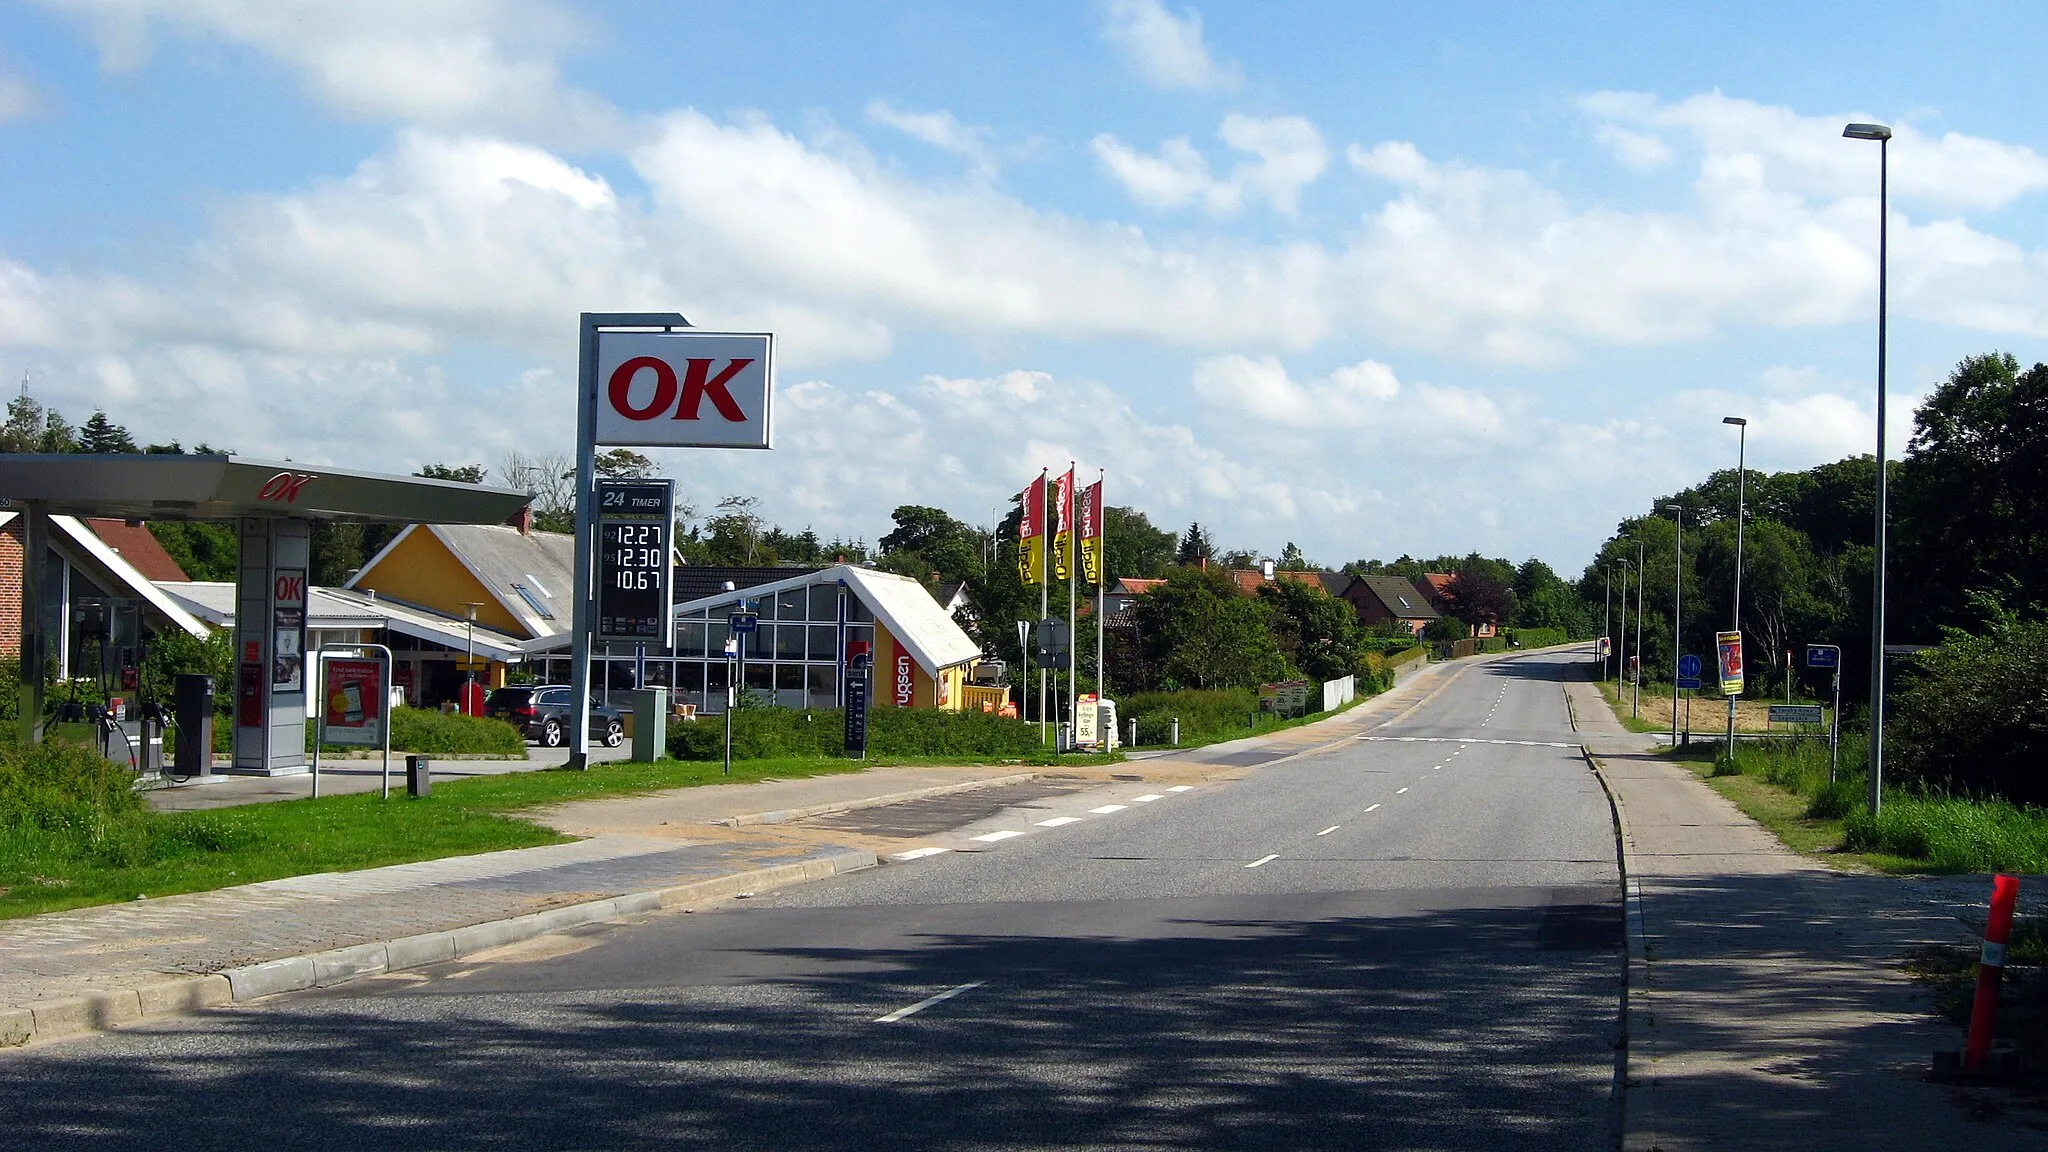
(288, 631)
(1031, 532)
(354, 711)
(1729, 645)
(1085, 734)
(1091, 533)
(1063, 527)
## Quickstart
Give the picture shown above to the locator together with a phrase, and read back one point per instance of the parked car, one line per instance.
(542, 711)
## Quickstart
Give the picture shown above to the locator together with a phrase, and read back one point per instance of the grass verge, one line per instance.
(110, 853)
(1266, 726)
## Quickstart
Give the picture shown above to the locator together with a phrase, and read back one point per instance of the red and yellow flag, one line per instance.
(1030, 533)
(1063, 527)
(1091, 533)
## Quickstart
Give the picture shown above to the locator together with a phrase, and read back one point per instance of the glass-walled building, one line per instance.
(809, 626)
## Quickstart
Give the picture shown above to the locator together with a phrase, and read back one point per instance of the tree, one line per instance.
(1199, 630)
(1195, 546)
(1132, 546)
(205, 550)
(623, 464)
(550, 479)
(1291, 559)
(1967, 717)
(940, 543)
(460, 473)
(1477, 599)
(1317, 632)
(32, 428)
(337, 551)
(101, 435)
(734, 535)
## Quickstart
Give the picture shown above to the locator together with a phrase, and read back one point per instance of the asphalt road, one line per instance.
(1410, 940)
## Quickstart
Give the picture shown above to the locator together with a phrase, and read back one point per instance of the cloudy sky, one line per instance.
(1370, 277)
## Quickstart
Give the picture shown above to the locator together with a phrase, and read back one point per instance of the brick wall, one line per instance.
(10, 588)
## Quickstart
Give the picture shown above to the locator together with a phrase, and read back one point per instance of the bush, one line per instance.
(431, 732)
(1202, 713)
(61, 801)
(1537, 637)
(766, 733)
(1953, 834)
(1968, 717)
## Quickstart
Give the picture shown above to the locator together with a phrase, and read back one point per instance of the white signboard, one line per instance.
(684, 389)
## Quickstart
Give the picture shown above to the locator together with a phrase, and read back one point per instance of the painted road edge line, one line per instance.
(1267, 859)
(992, 837)
(1147, 798)
(927, 1002)
(1106, 809)
(1059, 821)
(918, 853)
(1182, 788)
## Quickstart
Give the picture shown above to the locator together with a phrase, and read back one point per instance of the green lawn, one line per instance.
(160, 854)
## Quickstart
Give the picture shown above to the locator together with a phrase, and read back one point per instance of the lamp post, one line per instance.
(469, 657)
(1621, 618)
(1606, 620)
(1882, 135)
(1635, 700)
(1741, 514)
(1677, 612)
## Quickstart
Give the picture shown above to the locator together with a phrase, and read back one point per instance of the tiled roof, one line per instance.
(696, 582)
(138, 547)
(1402, 598)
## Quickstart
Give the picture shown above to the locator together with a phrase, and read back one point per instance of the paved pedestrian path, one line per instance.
(1768, 1005)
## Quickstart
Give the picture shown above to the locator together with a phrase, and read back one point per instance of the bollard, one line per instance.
(419, 775)
(1173, 732)
(1133, 728)
(2005, 891)
(1979, 1062)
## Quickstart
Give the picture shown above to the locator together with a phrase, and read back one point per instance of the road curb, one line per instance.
(785, 815)
(104, 1010)
(1636, 1017)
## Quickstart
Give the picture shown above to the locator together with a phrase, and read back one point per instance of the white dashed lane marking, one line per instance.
(1468, 740)
(1264, 860)
(1147, 798)
(992, 837)
(1059, 821)
(1182, 788)
(1106, 809)
(927, 1002)
(918, 853)
(1374, 808)
(1327, 831)
(1398, 791)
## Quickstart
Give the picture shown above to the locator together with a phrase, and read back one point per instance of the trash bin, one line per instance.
(419, 775)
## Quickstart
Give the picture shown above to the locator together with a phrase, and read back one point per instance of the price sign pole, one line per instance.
(648, 379)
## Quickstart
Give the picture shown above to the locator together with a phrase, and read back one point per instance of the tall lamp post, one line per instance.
(1882, 134)
(1635, 701)
(1741, 514)
(469, 660)
(1677, 613)
(1607, 621)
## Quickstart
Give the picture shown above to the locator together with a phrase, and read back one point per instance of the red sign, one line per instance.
(684, 389)
(698, 386)
(283, 488)
(905, 679)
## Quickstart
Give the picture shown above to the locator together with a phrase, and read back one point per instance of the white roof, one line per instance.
(75, 532)
(919, 622)
(214, 602)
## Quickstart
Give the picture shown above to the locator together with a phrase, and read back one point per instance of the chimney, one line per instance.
(1266, 568)
(523, 520)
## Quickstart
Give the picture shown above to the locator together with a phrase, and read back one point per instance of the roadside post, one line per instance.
(856, 731)
(650, 380)
(732, 693)
(1830, 657)
(1689, 667)
(355, 702)
(1976, 1063)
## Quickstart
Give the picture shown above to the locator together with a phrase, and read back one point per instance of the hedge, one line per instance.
(1202, 712)
(1538, 637)
(765, 733)
(431, 732)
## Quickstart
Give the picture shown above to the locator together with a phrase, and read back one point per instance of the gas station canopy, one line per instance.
(166, 487)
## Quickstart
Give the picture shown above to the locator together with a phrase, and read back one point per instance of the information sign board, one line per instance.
(1085, 734)
(355, 704)
(1796, 714)
(742, 623)
(1728, 646)
(634, 580)
(1823, 656)
(685, 389)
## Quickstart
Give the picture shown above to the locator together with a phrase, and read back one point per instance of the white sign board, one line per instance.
(684, 389)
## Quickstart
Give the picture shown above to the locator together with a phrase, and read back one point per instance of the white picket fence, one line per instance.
(1339, 692)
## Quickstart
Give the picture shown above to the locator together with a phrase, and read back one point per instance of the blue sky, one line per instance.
(1372, 278)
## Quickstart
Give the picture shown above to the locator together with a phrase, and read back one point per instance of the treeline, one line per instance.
(1967, 571)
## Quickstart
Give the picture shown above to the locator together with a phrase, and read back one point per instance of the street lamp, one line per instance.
(1635, 700)
(1882, 135)
(1741, 497)
(469, 660)
(1677, 612)
(1606, 621)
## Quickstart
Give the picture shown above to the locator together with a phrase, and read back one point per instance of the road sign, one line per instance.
(1823, 656)
(1689, 668)
(742, 623)
(685, 389)
(1052, 640)
(634, 581)
(857, 714)
(1728, 646)
(1796, 714)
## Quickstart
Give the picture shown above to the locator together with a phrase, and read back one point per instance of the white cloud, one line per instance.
(18, 97)
(1166, 49)
(1288, 155)
(1638, 150)
(941, 130)
(450, 63)
(1807, 154)
(1260, 388)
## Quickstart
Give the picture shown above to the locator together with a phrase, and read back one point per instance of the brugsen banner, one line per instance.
(685, 389)
(1728, 646)
(634, 582)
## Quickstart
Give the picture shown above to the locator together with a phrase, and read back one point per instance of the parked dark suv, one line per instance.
(542, 711)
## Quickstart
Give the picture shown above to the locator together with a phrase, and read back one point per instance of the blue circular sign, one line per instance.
(1689, 667)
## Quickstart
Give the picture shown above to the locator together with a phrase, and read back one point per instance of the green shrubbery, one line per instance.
(62, 802)
(764, 733)
(1537, 637)
(1202, 713)
(1968, 718)
(431, 732)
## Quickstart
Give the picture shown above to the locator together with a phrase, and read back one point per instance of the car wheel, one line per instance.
(614, 734)
(551, 734)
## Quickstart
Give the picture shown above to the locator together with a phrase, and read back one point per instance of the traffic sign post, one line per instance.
(1830, 657)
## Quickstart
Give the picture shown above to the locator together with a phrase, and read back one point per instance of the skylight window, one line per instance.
(532, 601)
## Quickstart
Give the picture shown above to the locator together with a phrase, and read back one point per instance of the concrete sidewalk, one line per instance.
(1767, 1003)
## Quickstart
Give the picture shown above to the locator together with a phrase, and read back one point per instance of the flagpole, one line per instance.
(1101, 584)
(1073, 587)
(1044, 591)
